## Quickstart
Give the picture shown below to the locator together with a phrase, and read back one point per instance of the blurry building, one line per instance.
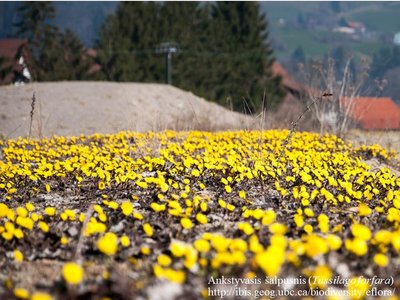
(14, 55)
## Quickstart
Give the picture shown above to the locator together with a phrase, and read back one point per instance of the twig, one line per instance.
(32, 112)
(296, 123)
(79, 245)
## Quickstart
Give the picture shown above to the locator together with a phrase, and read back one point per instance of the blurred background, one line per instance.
(246, 56)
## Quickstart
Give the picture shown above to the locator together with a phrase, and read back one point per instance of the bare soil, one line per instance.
(74, 108)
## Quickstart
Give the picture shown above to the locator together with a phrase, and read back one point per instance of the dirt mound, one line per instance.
(73, 108)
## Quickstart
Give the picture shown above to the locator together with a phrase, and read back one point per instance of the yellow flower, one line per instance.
(22, 212)
(113, 205)
(195, 172)
(164, 260)
(321, 275)
(357, 246)
(21, 293)
(41, 296)
(48, 188)
(334, 242)
(178, 249)
(145, 250)
(186, 223)
(108, 244)
(278, 228)
(358, 287)
(361, 232)
(364, 210)
(315, 245)
(246, 228)
(29, 206)
(148, 229)
(228, 189)
(43, 226)
(203, 206)
(170, 274)
(201, 218)
(72, 273)
(308, 212)
(298, 220)
(381, 260)
(125, 241)
(18, 256)
(127, 208)
(101, 185)
(230, 207)
(269, 218)
(271, 260)
(202, 245)
(308, 228)
(157, 207)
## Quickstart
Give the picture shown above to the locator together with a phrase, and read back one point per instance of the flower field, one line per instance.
(129, 215)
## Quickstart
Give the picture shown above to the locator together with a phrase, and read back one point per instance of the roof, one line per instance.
(287, 80)
(375, 113)
(10, 47)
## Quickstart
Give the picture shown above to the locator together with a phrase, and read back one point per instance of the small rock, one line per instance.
(164, 291)
(118, 227)
(72, 231)
(343, 270)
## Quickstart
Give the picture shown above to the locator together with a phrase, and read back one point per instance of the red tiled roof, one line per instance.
(375, 113)
(9, 47)
(287, 80)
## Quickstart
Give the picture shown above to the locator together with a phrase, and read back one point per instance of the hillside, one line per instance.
(309, 25)
(73, 108)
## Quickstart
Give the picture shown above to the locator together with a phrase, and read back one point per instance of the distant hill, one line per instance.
(310, 25)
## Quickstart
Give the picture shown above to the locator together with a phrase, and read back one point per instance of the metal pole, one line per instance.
(168, 49)
(169, 67)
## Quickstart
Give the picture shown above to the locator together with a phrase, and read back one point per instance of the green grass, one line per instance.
(381, 17)
(386, 20)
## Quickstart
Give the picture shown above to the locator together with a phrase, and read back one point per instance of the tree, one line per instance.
(127, 42)
(244, 58)
(335, 7)
(223, 49)
(54, 55)
(386, 59)
(34, 19)
(298, 56)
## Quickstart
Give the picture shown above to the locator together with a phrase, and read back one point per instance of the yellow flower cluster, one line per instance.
(235, 198)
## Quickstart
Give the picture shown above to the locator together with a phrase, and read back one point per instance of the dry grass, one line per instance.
(387, 139)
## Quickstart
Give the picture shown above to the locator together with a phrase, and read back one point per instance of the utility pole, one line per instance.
(168, 49)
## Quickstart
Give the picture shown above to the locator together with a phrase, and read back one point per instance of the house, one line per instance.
(375, 113)
(291, 85)
(368, 113)
(14, 54)
(358, 26)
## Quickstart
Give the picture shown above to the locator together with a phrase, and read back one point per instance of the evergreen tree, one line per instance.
(384, 60)
(223, 50)
(34, 20)
(243, 57)
(185, 23)
(54, 55)
(298, 56)
(127, 42)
